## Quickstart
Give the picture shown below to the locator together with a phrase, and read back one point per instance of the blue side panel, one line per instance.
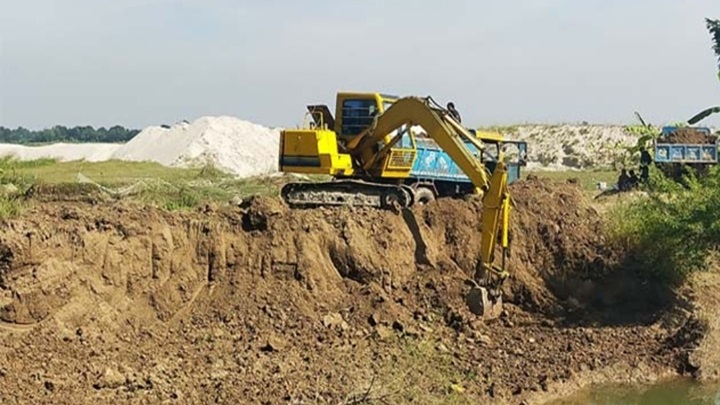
(433, 164)
(513, 173)
(685, 153)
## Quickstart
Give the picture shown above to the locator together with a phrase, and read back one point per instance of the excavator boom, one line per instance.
(447, 133)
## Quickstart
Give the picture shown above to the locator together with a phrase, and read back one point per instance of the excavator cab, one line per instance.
(355, 113)
(320, 148)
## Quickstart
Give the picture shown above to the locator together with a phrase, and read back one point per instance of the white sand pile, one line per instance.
(232, 145)
(236, 146)
(91, 152)
(246, 149)
(572, 146)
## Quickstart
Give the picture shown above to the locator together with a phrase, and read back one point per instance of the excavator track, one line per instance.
(347, 193)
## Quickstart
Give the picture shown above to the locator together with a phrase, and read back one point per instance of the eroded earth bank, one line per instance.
(110, 302)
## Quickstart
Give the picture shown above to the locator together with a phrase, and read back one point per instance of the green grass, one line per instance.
(182, 188)
(587, 179)
(10, 206)
(111, 173)
(151, 183)
(673, 232)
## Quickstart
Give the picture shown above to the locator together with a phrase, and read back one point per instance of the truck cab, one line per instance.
(514, 152)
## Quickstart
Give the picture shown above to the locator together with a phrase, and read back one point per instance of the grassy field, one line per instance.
(170, 188)
(110, 173)
(178, 188)
(588, 179)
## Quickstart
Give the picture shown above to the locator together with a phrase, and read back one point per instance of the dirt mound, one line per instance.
(558, 244)
(261, 304)
(691, 136)
(69, 192)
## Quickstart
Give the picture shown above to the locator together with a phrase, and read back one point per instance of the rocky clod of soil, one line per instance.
(260, 304)
(691, 136)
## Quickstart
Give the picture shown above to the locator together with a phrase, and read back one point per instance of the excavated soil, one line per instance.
(117, 303)
(691, 136)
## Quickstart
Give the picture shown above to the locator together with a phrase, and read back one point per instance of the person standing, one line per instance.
(455, 114)
(645, 160)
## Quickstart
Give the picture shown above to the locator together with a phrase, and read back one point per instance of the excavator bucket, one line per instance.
(484, 304)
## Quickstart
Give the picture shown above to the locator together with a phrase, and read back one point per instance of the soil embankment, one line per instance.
(116, 303)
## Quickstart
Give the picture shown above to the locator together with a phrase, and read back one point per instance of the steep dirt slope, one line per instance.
(116, 303)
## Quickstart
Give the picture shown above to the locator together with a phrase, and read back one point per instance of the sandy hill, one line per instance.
(247, 149)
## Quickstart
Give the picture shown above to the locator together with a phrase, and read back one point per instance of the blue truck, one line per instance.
(668, 150)
(436, 171)
(678, 148)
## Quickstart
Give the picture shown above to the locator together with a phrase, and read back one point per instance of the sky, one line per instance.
(149, 62)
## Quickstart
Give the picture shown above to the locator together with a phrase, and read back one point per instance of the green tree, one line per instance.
(676, 230)
(714, 27)
(60, 133)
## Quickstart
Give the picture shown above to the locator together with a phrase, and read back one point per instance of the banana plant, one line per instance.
(713, 27)
(703, 114)
(645, 132)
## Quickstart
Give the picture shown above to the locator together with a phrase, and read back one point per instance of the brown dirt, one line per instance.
(691, 136)
(117, 303)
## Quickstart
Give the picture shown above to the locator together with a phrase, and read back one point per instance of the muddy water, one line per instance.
(668, 393)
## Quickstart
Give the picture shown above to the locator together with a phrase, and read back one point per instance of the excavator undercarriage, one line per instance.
(355, 193)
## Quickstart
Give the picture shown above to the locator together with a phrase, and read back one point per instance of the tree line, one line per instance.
(60, 133)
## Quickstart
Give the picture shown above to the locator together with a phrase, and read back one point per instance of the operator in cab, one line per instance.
(455, 114)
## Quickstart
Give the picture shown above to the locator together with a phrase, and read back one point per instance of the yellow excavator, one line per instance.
(369, 148)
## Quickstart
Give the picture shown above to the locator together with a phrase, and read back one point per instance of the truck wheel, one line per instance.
(424, 195)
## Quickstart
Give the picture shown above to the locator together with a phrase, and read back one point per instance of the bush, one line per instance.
(10, 206)
(182, 200)
(675, 230)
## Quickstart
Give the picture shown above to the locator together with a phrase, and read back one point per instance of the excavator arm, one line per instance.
(495, 220)
(485, 298)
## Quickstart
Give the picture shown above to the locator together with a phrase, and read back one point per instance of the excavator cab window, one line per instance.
(407, 141)
(490, 152)
(515, 152)
(357, 115)
(522, 150)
